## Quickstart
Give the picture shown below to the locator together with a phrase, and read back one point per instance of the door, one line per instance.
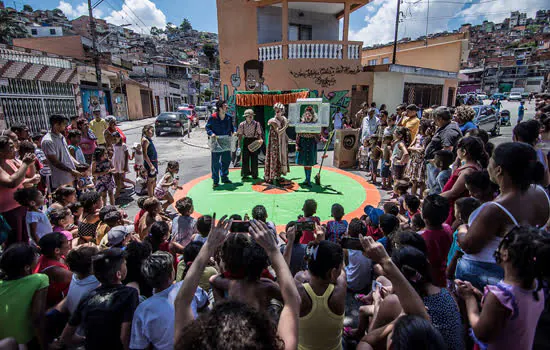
(157, 105)
(451, 97)
(359, 94)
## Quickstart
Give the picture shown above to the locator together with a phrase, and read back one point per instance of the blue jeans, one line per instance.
(431, 172)
(220, 165)
(479, 273)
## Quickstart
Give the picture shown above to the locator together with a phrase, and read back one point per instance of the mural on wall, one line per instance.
(325, 77)
(336, 99)
(92, 99)
(253, 81)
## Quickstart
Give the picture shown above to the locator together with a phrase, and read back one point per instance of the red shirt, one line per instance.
(137, 218)
(56, 291)
(438, 243)
(374, 232)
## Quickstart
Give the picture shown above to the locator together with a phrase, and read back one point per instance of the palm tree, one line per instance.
(10, 28)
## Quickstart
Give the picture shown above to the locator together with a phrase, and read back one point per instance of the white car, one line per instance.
(515, 96)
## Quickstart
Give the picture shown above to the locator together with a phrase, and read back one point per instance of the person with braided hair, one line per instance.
(276, 158)
(511, 309)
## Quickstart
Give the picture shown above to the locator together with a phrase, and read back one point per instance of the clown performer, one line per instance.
(306, 145)
(276, 158)
(250, 132)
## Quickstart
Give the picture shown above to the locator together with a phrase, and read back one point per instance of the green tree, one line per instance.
(156, 31)
(207, 94)
(210, 51)
(10, 28)
(186, 25)
(27, 8)
(205, 71)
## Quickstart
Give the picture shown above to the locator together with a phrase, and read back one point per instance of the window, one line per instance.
(299, 32)
(34, 32)
(385, 60)
(52, 31)
(372, 62)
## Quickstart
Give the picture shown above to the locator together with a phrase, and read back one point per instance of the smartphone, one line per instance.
(375, 285)
(351, 243)
(305, 226)
(240, 226)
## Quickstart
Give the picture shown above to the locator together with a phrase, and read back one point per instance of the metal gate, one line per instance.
(31, 102)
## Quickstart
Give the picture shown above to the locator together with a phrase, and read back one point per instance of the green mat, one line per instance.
(240, 198)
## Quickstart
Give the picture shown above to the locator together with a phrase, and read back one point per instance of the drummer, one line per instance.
(220, 124)
(250, 133)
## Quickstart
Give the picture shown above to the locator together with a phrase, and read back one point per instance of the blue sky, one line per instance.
(371, 24)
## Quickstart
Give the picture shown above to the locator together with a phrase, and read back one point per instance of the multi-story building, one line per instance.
(285, 45)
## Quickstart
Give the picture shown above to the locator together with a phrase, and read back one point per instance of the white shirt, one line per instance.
(43, 225)
(358, 270)
(78, 289)
(153, 321)
(368, 127)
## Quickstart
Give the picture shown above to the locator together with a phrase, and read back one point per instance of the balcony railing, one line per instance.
(310, 50)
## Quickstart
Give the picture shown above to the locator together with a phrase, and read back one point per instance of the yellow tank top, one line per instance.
(321, 328)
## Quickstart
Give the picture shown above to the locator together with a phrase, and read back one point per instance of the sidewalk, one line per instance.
(135, 124)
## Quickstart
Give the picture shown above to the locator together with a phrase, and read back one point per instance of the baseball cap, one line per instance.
(118, 233)
(373, 214)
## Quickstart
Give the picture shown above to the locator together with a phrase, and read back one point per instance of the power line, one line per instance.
(129, 18)
(463, 16)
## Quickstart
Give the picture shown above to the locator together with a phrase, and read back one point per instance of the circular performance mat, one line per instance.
(282, 204)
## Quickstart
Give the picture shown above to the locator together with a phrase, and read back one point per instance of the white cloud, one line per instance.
(147, 12)
(80, 10)
(379, 24)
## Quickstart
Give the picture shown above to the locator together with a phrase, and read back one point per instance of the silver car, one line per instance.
(488, 119)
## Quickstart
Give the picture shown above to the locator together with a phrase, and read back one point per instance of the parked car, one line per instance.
(172, 122)
(190, 113)
(202, 112)
(515, 96)
(525, 95)
(482, 96)
(488, 119)
(498, 96)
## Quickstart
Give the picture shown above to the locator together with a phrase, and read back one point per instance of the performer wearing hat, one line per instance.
(250, 132)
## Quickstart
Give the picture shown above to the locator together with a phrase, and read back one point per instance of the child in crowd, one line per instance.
(111, 219)
(141, 182)
(442, 161)
(73, 138)
(400, 189)
(45, 171)
(140, 213)
(120, 162)
(391, 208)
(89, 219)
(103, 227)
(259, 212)
(480, 186)
(296, 261)
(309, 209)
(417, 224)
(372, 220)
(203, 228)
(106, 312)
(416, 170)
(183, 224)
(385, 168)
(102, 169)
(389, 224)
(464, 207)
(85, 183)
(158, 239)
(338, 227)
(61, 220)
(38, 224)
(79, 261)
(77, 210)
(363, 156)
(190, 253)
(400, 154)
(322, 290)
(54, 247)
(245, 260)
(358, 267)
(512, 308)
(375, 153)
(152, 209)
(411, 204)
(438, 237)
(62, 197)
(137, 155)
(169, 179)
(392, 120)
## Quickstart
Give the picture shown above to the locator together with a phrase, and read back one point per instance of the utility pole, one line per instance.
(94, 46)
(397, 14)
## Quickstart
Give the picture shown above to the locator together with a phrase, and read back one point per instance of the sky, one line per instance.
(372, 24)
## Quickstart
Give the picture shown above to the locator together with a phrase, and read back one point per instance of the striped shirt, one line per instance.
(250, 130)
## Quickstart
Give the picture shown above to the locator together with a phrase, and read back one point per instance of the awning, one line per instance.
(269, 98)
